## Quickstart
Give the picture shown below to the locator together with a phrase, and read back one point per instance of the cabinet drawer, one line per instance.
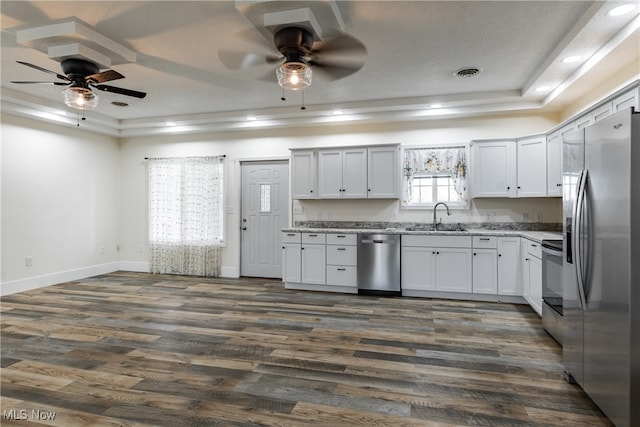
(313, 237)
(341, 275)
(291, 238)
(534, 249)
(437, 241)
(342, 239)
(489, 242)
(342, 255)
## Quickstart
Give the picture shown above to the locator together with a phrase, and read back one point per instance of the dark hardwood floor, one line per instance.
(132, 349)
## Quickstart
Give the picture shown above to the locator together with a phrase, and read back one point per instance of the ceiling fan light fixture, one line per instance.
(80, 97)
(293, 75)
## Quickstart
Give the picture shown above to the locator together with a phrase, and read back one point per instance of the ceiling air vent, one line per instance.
(467, 72)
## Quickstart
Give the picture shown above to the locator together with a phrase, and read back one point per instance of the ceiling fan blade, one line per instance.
(235, 60)
(60, 76)
(44, 83)
(336, 70)
(105, 76)
(121, 91)
(341, 44)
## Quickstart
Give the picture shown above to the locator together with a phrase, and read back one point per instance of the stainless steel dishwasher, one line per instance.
(379, 264)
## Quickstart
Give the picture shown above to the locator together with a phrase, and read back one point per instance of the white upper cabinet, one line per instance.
(554, 165)
(342, 173)
(303, 174)
(346, 173)
(532, 167)
(494, 169)
(383, 172)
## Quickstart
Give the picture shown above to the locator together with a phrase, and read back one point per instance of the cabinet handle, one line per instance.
(342, 269)
(474, 254)
(313, 235)
(341, 236)
(310, 191)
(508, 188)
(519, 187)
(341, 249)
(302, 249)
(283, 247)
(484, 238)
(437, 253)
(526, 259)
(291, 234)
(369, 189)
(558, 185)
(534, 246)
(499, 255)
(434, 252)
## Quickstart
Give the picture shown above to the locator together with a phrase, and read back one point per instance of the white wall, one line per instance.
(265, 144)
(60, 204)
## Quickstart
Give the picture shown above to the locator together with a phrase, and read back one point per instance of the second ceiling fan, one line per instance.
(299, 56)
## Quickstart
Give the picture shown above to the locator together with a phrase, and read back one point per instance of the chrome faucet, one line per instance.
(435, 224)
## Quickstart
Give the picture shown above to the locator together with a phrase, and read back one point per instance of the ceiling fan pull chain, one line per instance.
(303, 107)
(282, 98)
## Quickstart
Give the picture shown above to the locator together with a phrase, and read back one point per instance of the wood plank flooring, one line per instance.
(133, 349)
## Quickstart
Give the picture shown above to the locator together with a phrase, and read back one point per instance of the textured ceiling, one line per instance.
(413, 49)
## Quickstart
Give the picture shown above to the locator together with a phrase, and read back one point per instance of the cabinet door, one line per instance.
(485, 271)
(494, 169)
(303, 172)
(291, 267)
(532, 167)
(313, 264)
(509, 276)
(554, 165)
(453, 270)
(417, 267)
(524, 267)
(535, 284)
(330, 174)
(383, 173)
(626, 100)
(354, 173)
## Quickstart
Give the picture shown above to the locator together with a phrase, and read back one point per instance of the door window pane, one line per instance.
(265, 197)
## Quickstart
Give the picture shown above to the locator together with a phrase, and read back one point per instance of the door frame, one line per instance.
(238, 177)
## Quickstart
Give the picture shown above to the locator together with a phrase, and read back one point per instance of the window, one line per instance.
(432, 175)
(186, 215)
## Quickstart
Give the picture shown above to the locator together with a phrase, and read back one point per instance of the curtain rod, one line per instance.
(188, 157)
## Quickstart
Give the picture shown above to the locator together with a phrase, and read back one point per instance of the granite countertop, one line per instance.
(535, 235)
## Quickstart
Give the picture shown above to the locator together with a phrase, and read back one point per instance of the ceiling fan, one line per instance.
(334, 58)
(80, 76)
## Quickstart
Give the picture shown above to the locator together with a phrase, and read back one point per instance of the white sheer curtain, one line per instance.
(186, 215)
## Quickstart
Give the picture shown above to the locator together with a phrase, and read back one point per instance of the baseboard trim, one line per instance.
(230, 272)
(35, 282)
(136, 266)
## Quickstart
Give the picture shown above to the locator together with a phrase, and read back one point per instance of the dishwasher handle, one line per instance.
(372, 241)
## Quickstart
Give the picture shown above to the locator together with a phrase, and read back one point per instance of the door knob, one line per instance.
(244, 228)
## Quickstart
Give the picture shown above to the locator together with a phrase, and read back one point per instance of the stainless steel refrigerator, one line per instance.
(601, 264)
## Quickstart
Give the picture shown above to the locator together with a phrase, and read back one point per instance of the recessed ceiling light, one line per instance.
(621, 10)
(435, 105)
(170, 123)
(336, 112)
(571, 59)
(542, 88)
(251, 118)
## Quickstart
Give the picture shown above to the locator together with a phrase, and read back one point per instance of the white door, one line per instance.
(265, 192)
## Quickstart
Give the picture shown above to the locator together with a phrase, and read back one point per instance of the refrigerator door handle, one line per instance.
(577, 241)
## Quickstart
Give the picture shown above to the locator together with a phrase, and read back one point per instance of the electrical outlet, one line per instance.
(28, 261)
(329, 215)
(538, 216)
(525, 216)
(491, 216)
(318, 215)
(297, 209)
(117, 248)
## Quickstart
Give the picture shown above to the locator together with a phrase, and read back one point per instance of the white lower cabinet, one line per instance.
(440, 263)
(532, 274)
(342, 259)
(313, 264)
(485, 265)
(509, 276)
